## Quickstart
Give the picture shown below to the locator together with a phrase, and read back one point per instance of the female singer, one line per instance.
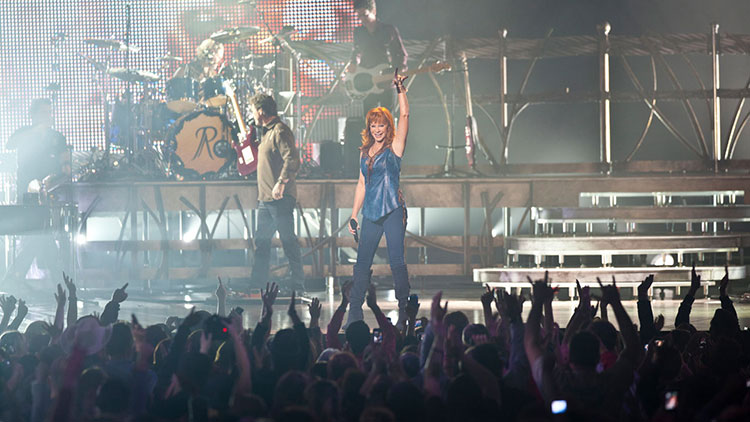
(382, 204)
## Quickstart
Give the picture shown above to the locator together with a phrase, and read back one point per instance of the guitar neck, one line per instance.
(237, 114)
(383, 78)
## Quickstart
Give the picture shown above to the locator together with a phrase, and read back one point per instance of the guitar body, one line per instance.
(377, 79)
(247, 146)
(362, 83)
(247, 152)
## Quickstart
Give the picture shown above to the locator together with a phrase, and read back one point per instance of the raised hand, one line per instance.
(659, 323)
(7, 304)
(234, 326)
(372, 297)
(60, 297)
(346, 290)
(269, 296)
(610, 294)
(314, 308)
(541, 290)
(191, 319)
(221, 291)
(119, 295)
(512, 306)
(724, 283)
(69, 285)
(487, 297)
(438, 312)
(412, 308)
(398, 81)
(645, 285)
(22, 309)
(292, 311)
(584, 294)
(695, 281)
(51, 329)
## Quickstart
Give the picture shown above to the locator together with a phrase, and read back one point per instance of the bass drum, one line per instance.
(199, 146)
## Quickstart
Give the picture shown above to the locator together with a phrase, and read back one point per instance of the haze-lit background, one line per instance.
(40, 42)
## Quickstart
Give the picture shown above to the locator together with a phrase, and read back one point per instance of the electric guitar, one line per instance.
(364, 81)
(247, 147)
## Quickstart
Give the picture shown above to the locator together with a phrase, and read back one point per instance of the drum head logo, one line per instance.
(197, 142)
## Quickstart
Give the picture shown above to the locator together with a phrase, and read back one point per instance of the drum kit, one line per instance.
(189, 130)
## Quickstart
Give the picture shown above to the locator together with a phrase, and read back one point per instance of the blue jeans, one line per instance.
(394, 227)
(276, 216)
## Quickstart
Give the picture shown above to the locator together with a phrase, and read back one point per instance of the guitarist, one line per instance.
(278, 162)
(41, 149)
(42, 153)
(375, 43)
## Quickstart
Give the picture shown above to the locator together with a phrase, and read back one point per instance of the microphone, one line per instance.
(353, 225)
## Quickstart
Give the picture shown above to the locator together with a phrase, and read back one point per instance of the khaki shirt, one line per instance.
(278, 158)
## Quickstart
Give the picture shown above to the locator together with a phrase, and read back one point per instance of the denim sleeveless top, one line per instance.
(381, 184)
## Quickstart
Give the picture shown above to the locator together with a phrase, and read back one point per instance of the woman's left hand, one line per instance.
(398, 81)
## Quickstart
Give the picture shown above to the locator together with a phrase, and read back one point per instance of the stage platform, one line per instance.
(173, 233)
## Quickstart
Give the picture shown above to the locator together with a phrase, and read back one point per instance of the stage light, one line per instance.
(81, 239)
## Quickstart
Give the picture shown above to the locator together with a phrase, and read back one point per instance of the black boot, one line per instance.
(401, 287)
(362, 276)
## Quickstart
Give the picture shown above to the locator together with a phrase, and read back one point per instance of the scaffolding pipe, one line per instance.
(604, 99)
(716, 106)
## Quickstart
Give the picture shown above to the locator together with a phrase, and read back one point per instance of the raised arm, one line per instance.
(389, 331)
(112, 309)
(726, 302)
(221, 299)
(60, 298)
(683, 312)
(244, 382)
(334, 325)
(72, 316)
(399, 140)
(300, 332)
(533, 337)
(316, 338)
(632, 350)
(645, 314)
(8, 305)
(21, 313)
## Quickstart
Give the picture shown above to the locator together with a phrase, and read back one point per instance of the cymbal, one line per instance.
(171, 58)
(236, 34)
(112, 44)
(133, 75)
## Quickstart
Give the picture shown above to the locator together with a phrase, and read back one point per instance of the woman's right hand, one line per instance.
(351, 230)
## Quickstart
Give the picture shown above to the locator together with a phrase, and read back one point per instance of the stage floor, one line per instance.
(154, 307)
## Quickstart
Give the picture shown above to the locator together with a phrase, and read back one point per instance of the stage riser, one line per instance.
(157, 202)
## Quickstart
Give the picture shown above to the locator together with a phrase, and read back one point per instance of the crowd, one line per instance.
(210, 368)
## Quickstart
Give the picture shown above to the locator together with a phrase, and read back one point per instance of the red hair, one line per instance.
(377, 115)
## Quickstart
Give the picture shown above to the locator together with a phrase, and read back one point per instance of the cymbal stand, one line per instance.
(449, 165)
(130, 144)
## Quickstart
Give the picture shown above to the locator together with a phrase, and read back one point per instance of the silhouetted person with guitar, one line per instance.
(41, 150)
(278, 162)
(383, 208)
(42, 155)
(375, 43)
